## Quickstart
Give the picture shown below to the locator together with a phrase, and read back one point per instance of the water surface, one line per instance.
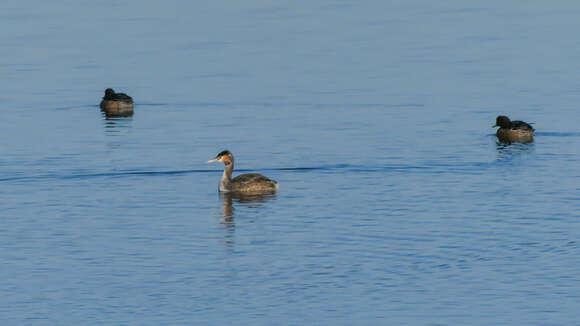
(396, 204)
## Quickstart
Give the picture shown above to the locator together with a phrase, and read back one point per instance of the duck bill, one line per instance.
(212, 161)
(495, 125)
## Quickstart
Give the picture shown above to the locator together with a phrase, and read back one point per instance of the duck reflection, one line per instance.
(116, 125)
(512, 151)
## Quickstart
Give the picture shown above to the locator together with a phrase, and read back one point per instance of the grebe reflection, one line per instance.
(250, 201)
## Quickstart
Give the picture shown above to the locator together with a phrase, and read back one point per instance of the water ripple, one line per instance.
(434, 167)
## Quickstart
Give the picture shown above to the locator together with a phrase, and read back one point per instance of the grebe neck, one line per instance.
(226, 183)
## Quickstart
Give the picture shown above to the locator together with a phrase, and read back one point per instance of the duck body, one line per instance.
(116, 104)
(513, 131)
(246, 184)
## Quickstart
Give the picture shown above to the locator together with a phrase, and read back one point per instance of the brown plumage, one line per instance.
(116, 104)
(249, 183)
(513, 131)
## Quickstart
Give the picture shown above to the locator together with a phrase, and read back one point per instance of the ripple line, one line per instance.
(437, 167)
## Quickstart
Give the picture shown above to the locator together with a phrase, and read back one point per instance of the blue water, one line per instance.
(396, 204)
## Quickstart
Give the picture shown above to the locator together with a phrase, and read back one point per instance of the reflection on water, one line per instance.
(250, 201)
(506, 152)
(228, 200)
(117, 129)
(114, 125)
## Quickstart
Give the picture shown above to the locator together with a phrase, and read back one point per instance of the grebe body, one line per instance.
(249, 183)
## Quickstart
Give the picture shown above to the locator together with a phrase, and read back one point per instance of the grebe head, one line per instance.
(224, 156)
(503, 122)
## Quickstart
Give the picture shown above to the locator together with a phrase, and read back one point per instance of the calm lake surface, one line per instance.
(396, 204)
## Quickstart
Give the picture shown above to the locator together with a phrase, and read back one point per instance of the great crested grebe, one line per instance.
(116, 104)
(249, 183)
(513, 131)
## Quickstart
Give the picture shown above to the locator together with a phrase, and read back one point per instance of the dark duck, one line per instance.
(116, 104)
(513, 131)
